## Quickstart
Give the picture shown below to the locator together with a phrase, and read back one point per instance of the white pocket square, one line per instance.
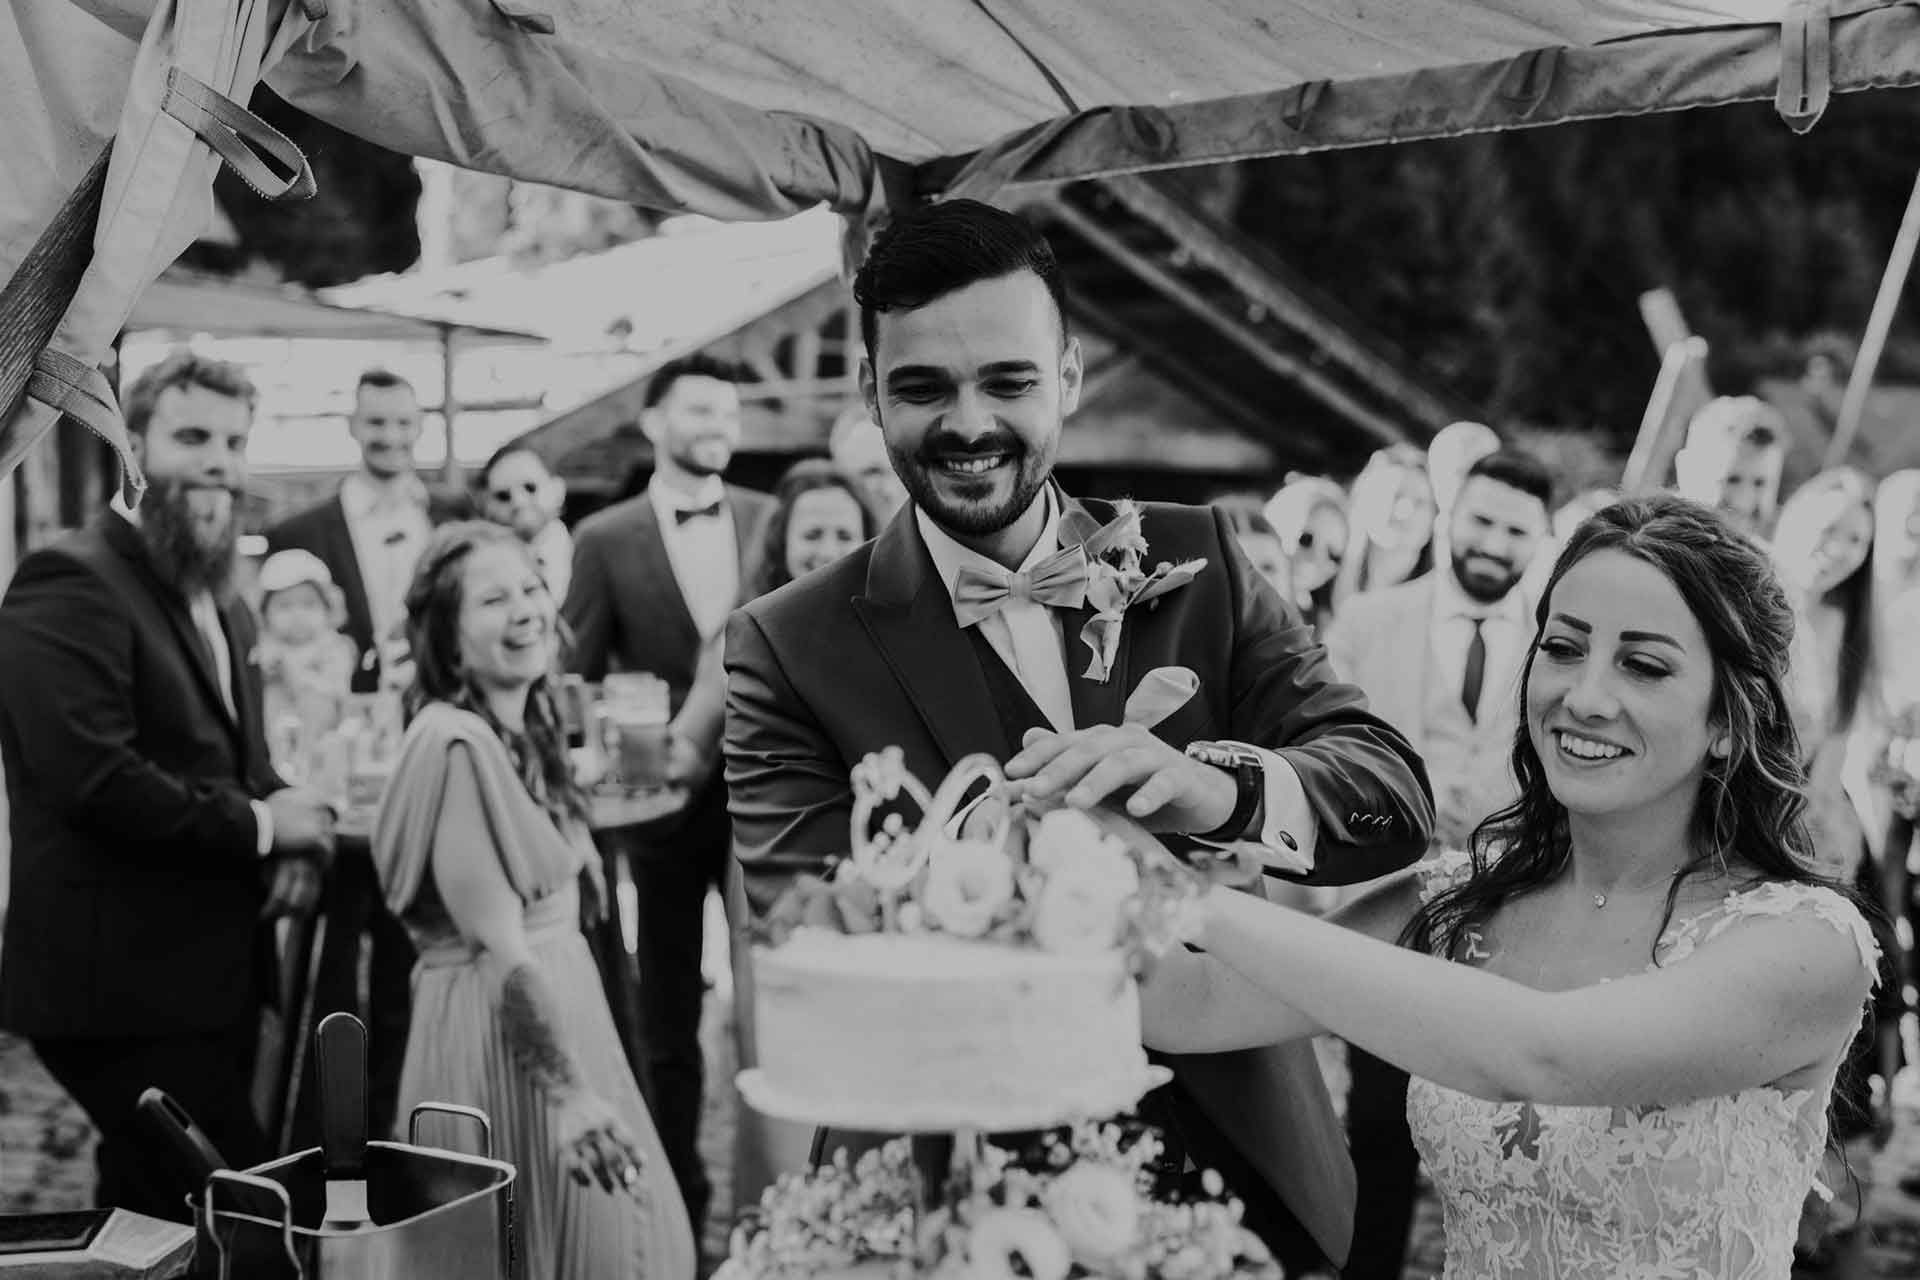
(1160, 693)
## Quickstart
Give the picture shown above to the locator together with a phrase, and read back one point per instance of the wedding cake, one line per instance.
(975, 974)
(931, 1029)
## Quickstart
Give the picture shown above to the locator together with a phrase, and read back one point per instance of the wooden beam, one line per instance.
(1252, 420)
(1279, 363)
(1893, 282)
(1264, 280)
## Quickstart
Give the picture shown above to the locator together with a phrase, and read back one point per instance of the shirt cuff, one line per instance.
(262, 827)
(1289, 831)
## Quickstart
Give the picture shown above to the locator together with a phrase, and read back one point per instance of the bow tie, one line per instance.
(680, 517)
(1059, 581)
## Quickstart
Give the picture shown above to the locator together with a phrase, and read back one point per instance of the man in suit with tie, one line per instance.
(151, 838)
(654, 578)
(370, 535)
(1440, 658)
(961, 629)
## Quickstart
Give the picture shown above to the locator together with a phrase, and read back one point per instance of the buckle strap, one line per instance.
(1806, 64)
(239, 137)
(81, 392)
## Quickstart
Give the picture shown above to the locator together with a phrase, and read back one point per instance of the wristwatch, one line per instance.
(1249, 775)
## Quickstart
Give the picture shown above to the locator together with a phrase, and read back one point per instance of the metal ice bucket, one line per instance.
(435, 1215)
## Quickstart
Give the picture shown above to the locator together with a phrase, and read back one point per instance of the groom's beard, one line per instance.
(191, 536)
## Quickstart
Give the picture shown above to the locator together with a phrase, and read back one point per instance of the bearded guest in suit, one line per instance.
(654, 578)
(152, 841)
(370, 535)
(1439, 657)
(925, 640)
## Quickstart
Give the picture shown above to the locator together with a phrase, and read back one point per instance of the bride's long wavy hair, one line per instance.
(434, 601)
(1749, 817)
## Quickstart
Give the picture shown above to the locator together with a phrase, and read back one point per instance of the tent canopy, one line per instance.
(760, 109)
(756, 108)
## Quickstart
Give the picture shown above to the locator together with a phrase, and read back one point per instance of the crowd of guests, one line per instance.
(474, 920)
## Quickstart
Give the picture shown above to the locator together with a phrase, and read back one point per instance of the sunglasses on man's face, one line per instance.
(530, 488)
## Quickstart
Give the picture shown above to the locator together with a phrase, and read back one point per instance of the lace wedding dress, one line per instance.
(1706, 1190)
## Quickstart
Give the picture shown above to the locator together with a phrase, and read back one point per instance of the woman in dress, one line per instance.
(1625, 1007)
(481, 844)
(1822, 545)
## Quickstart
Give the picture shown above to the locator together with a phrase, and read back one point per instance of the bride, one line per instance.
(1625, 1009)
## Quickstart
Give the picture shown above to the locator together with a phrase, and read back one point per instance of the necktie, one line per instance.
(1059, 582)
(1476, 670)
(680, 516)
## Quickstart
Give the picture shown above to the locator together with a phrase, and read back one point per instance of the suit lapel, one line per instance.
(1407, 681)
(1094, 701)
(238, 625)
(907, 613)
(655, 573)
(344, 559)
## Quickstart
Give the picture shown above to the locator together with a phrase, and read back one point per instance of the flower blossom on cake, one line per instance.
(1083, 904)
(969, 882)
(1096, 1208)
(1002, 1237)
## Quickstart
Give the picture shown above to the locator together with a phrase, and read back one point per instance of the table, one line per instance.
(607, 811)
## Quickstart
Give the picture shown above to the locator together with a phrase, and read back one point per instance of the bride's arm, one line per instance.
(1195, 1003)
(1774, 995)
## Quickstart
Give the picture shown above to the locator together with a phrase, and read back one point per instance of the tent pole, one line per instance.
(449, 410)
(1892, 283)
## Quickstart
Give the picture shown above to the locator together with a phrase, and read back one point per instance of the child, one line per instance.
(306, 664)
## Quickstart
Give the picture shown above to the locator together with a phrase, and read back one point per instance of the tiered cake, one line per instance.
(974, 974)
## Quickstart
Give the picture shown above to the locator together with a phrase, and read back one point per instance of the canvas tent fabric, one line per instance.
(762, 108)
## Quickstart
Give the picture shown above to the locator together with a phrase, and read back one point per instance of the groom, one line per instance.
(921, 640)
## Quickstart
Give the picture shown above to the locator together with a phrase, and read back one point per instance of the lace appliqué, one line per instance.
(1706, 1190)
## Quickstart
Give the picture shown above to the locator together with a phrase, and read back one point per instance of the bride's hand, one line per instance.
(595, 1146)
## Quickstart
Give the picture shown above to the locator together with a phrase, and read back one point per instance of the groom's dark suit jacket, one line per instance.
(866, 654)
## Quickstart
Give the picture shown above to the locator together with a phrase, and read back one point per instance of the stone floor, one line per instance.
(46, 1162)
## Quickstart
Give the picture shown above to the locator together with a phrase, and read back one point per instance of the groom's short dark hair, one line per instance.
(933, 251)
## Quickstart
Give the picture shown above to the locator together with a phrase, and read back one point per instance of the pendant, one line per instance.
(1599, 900)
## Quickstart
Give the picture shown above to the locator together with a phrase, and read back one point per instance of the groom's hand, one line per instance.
(1162, 788)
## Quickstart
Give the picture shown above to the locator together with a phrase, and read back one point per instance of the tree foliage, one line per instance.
(1510, 265)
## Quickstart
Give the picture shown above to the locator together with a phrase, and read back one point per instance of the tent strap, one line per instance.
(82, 393)
(1806, 63)
(239, 138)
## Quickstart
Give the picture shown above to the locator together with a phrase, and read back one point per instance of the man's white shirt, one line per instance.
(390, 527)
(1028, 637)
(703, 552)
(552, 549)
(1504, 626)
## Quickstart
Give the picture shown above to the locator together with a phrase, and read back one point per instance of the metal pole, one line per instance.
(1892, 282)
(449, 409)
(1657, 442)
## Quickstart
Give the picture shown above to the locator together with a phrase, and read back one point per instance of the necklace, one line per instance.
(1600, 899)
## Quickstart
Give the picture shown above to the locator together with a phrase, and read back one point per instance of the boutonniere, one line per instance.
(1117, 580)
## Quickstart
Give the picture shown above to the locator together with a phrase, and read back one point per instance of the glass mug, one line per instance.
(636, 729)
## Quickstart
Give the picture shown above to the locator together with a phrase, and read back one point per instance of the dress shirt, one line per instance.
(702, 551)
(552, 549)
(1029, 637)
(206, 620)
(390, 527)
(1504, 625)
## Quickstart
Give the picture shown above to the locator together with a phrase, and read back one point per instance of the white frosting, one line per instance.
(882, 1023)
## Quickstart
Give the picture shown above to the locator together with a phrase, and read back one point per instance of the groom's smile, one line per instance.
(970, 391)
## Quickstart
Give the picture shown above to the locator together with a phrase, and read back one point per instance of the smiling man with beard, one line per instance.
(1440, 657)
(152, 840)
(971, 372)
